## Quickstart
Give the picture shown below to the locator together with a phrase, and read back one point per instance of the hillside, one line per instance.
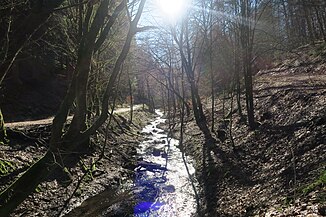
(280, 168)
(86, 174)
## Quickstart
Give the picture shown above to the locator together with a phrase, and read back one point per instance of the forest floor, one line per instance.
(28, 142)
(279, 169)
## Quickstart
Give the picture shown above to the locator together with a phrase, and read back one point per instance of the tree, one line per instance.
(15, 38)
(246, 37)
(188, 55)
(3, 133)
(63, 144)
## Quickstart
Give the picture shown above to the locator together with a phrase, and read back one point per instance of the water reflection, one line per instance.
(161, 181)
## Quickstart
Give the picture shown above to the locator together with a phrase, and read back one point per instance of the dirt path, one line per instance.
(49, 120)
(290, 81)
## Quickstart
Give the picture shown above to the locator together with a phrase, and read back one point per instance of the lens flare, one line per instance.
(172, 9)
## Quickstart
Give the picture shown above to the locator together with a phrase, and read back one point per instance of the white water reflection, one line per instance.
(162, 184)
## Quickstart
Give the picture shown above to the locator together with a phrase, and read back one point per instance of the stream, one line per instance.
(162, 185)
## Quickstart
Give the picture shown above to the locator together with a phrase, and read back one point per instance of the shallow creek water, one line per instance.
(162, 185)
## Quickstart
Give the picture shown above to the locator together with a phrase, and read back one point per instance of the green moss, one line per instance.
(288, 200)
(319, 182)
(320, 50)
(6, 167)
(38, 189)
(78, 193)
(89, 170)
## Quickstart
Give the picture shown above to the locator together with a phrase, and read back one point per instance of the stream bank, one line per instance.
(27, 144)
(277, 169)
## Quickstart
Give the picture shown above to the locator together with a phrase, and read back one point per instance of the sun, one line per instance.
(172, 9)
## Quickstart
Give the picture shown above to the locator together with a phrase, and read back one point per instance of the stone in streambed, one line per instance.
(156, 152)
(149, 166)
(157, 142)
(130, 165)
(169, 188)
(146, 133)
(164, 155)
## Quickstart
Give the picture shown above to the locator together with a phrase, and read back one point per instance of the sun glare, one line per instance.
(172, 9)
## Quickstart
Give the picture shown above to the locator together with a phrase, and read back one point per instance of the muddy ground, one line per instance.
(58, 194)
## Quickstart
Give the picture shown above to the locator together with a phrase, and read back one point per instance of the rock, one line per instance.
(164, 155)
(266, 116)
(156, 152)
(304, 206)
(322, 210)
(133, 151)
(169, 188)
(156, 142)
(221, 134)
(320, 121)
(129, 166)
(312, 215)
(146, 133)
(97, 173)
(149, 166)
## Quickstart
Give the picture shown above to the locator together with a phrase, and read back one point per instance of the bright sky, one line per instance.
(172, 9)
(166, 12)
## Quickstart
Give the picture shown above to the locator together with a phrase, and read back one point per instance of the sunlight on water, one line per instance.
(161, 181)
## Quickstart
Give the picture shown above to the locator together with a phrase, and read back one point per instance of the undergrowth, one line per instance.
(6, 167)
(319, 182)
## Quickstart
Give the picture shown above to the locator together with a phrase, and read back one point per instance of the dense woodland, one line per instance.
(80, 58)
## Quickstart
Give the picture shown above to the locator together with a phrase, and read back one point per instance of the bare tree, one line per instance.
(246, 37)
(63, 144)
(17, 36)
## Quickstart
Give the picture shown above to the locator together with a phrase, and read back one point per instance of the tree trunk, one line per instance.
(250, 99)
(200, 117)
(150, 103)
(3, 134)
(320, 23)
(212, 78)
(246, 55)
(27, 183)
(131, 97)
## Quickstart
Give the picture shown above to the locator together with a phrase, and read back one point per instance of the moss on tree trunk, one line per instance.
(27, 183)
(3, 134)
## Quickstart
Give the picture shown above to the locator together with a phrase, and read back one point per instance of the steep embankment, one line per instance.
(28, 142)
(278, 169)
